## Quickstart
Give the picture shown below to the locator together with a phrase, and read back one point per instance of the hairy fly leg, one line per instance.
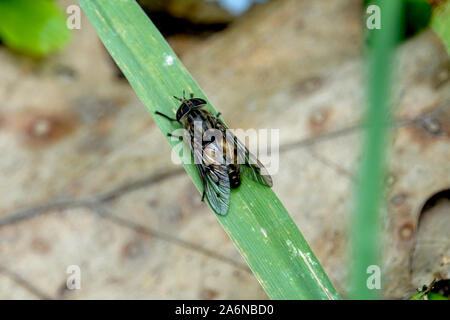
(165, 116)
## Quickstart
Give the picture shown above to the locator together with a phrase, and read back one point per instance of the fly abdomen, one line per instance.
(234, 175)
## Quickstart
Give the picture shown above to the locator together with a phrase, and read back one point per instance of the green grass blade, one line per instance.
(366, 224)
(258, 224)
(441, 23)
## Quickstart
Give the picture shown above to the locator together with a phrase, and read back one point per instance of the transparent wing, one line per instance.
(215, 175)
(250, 166)
(254, 172)
(217, 188)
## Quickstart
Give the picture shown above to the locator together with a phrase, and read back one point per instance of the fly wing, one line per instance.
(214, 174)
(197, 102)
(251, 167)
(217, 188)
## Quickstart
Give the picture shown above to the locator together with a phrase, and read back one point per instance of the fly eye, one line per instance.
(184, 109)
(198, 102)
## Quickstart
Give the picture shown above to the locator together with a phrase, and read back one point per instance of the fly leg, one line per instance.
(204, 188)
(165, 116)
(172, 135)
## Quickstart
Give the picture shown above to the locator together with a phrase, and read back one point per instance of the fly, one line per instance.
(219, 161)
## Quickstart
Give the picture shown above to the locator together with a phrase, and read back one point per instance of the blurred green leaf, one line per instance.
(419, 296)
(415, 17)
(369, 187)
(436, 296)
(430, 292)
(441, 23)
(422, 293)
(35, 27)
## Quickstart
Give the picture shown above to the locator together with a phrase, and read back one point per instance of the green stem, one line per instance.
(366, 227)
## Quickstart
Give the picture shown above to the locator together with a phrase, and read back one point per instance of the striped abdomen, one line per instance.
(234, 175)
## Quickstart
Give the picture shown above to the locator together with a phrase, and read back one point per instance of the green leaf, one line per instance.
(436, 296)
(417, 16)
(369, 190)
(419, 296)
(414, 17)
(35, 27)
(441, 23)
(258, 224)
(428, 292)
